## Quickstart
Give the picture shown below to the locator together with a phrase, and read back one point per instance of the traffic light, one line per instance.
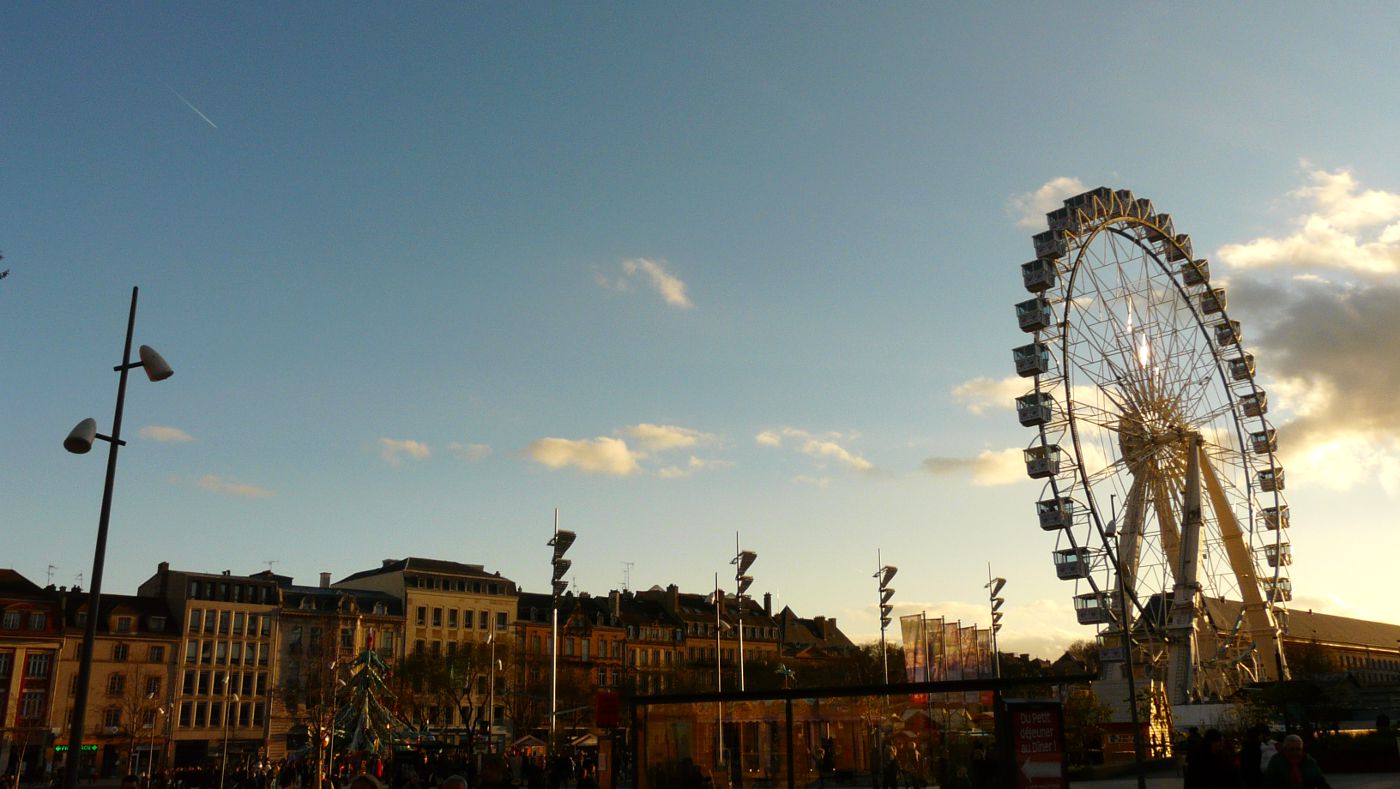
(886, 574)
(562, 541)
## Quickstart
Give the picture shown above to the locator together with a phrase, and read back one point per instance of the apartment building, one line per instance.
(228, 626)
(31, 636)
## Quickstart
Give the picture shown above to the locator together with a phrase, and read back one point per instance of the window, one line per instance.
(155, 654)
(112, 717)
(38, 620)
(123, 624)
(38, 665)
(156, 624)
(191, 651)
(238, 623)
(31, 704)
(120, 652)
(422, 615)
(262, 654)
(10, 621)
(437, 647)
(221, 653)
(201, 711)
(501, 620)
(204, 683)
(152, 686)
(148, 719)
(116, 683)
(266, 621)
(380, 608)
(568, 647)
(209, 621)
(235, 653)
(485, 620)
(418, 647)
(215, 713)
(467, 618)
(224, 617)
(437, 617)
(6, 664)
(262, 684)
(188, 687)
(585, 643)
(451, 617)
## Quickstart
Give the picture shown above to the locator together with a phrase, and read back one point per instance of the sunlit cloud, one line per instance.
(472, 452)
(393, 450)
(164, 434)
(217, 484)
(651, 273)
(602, 455)
(980, 395)
(663, 437)
(695, 464)
(836, 452)
(1343, 227)
(816, 482)
(990, 468)
(1029, 209)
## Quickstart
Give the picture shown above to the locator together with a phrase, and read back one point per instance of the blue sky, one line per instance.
(426, 274)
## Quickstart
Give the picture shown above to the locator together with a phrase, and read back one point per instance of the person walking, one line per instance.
(1292, 769)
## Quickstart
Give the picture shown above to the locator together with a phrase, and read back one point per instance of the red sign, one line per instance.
(605, 709)
(1037, 734)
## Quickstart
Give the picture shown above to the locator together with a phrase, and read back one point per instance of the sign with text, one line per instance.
(1037, 739)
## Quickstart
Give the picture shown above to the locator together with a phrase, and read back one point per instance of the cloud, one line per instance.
(830, 449)
(990, 468)
(217, 484)
(393, 450)
(169, 435)
(1345, 227)
(980, 395)
(768, 438)
(602, 455)
(472, 452)
(1029, 209)
(819, 482)
(695, 464)
(663, 437)
(653, 273)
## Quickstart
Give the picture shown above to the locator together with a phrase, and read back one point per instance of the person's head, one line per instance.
(1292, 746)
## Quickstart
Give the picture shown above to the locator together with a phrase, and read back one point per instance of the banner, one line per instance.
(970, 659)
(984, 648)
(952, 650)
(915, 647)
(933, 630)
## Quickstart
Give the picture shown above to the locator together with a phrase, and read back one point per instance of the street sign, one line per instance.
(1036, 733)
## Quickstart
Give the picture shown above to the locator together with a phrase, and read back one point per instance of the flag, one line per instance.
(952, 650)
(915, 659)
(933, 632)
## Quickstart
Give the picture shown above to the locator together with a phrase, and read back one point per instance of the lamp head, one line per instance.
(80, 438)
(154, 364)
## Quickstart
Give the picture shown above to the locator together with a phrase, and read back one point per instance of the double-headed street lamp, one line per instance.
(885, 574)
(561, 542)
(79, 442)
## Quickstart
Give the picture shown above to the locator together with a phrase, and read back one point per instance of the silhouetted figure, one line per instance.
(1292, 769)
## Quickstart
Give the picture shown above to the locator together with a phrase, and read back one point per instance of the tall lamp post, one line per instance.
(885, 574)
(1112, 533)
(491, 699)
(561, 542)
(79, 442)
(742, 561)
(994, 586)
(229, 707)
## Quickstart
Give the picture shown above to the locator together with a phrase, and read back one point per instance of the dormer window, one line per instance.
(123, 624)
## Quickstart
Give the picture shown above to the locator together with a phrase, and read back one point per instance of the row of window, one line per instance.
(217, 683)
(454, 585)
(155, 653)
(583, 647)
(14, 620)
(116, 685)
(201, 714)
(37, 665)
(226, 622)
(468, 616)
(750, 631)
(231, 592)
(223, 652)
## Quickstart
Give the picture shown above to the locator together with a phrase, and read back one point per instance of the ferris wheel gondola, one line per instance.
(1162, 481)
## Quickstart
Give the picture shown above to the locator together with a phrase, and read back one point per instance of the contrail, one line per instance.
(191, 106)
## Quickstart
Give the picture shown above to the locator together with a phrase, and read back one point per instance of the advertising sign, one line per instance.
(1037, 739)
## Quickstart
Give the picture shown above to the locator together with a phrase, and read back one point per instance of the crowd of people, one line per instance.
(1214, 761)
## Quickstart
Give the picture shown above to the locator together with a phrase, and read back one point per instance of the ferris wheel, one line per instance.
(1161, 480)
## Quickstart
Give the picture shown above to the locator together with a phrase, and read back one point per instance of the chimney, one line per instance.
(673, 597)
(767, 603)
(325, 580)
(163, 571)
(615, 603)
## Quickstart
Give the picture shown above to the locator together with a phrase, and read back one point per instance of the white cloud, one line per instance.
(980, 395)
(819, 482)
(833, 450)
(654, 273)
(1029, 209)
(602, 455)
(695, 464)
(659, 438)
(990, 468)
(172, 435)
(393, 450)
(472, 452)
(1344, 227)
(768, 438)
(217, 484)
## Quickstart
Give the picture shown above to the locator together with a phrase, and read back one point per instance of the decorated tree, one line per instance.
(367, 723)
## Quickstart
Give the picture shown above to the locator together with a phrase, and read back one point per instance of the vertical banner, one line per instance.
(933, 630)
(915, 648)
(969, 651)
(984, 648)
(952, 649)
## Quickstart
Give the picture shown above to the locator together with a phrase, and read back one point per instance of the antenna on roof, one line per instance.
(270, 562)
(52, 567)
(627, 575)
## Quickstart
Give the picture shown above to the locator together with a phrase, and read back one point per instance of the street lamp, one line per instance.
(491, 699)
(885, 574)
(742, 561)
(561, 542)
(223, 761)
(150, 753)
(79, 441)
(994, 586)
